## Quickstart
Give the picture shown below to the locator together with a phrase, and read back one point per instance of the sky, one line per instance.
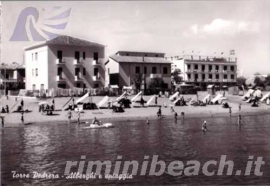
(171, 27)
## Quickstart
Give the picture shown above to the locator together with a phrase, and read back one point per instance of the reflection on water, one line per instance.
(48, 147)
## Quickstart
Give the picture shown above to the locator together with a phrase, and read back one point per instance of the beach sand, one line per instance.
(106, 115)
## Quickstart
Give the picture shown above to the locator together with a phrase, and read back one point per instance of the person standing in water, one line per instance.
(79, 117)
(69, 115)
(239, 119)
(239, 106)
(175, 115)
(230, 111)
(22, 118)
(204, 128)
(147, 121)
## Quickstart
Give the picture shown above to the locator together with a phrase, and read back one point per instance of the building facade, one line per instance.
(205, 70)
(124, 65)
(65, 62)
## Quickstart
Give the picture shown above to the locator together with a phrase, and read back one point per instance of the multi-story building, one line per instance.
(124, 65)
(65, 62)
(204, 70)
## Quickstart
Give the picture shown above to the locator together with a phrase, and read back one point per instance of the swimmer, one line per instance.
(204, 128)
(147, 121)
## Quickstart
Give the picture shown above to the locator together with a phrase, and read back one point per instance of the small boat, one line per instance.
(102, 126)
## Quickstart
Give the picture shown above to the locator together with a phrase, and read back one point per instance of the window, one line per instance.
(34, 87)
(224, 67)
(137, 70)
(84, 85)
(42, 86)
(225, 76)
(203, 68)
(217, 67)
(189, 76)
(84, 55)
(95, 71)
(145, 70)
(78, 85)
(77, 55)
(96, 56)
(232, 68)
(188, 67)
(84, 71)
(59, 71)
(210, 67)
(165, 70)
(196, 76)
(36, 72)
(217, 76)
(232, 76)
(154, 70)
(96, 85)
(36, 56)
(196, 67)
(210, 76)
(59, 54)
(61, 85)
(77, 71)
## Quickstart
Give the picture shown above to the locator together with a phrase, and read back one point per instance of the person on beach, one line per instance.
(142, 101)
(69, 115)
(156, 100)
(22, 118)
(204, 128)
(53, 105)
(22, 104)
(239, 106)
(172, 109)
(230, 111)
(159, 112)
(79, 117)
(7, 109)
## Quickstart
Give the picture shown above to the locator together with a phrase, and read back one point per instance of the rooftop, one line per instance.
(139, 59)
(65, 40)
(202, 58)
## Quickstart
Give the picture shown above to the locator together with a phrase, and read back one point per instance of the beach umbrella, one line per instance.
(43, 103)
(252, 79)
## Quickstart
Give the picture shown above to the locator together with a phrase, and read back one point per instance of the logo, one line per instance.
(40, 25)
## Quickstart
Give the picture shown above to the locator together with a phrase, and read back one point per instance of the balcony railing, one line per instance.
(155, 75)
(60, 61)
(59, 78)
(78, 61)
(96, 78)
(77, 78)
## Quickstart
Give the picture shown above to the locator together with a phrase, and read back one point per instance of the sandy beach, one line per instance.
(35, 117)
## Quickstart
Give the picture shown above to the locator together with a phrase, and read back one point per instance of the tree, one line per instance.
(267, 80)
(176, 78)
(156, 83)
(258, 81)
(137, 80)
(241, 81)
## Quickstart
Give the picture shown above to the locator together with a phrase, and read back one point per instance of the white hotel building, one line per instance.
(205, 70)
(64, 62)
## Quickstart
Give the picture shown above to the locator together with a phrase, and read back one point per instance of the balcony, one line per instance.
(97, 62)
(225, 71)
(155, 76)
(77, 78)
(225, 80)
(96, 78)
(77, 61)
(60, 61)
(59, 78)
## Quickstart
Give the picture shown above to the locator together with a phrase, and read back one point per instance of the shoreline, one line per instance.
(138, 118)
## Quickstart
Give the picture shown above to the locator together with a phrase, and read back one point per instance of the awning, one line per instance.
(210, 86)
(127, 88)
(114, 86)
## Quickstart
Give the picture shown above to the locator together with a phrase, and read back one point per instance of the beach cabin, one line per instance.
(211, 89)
